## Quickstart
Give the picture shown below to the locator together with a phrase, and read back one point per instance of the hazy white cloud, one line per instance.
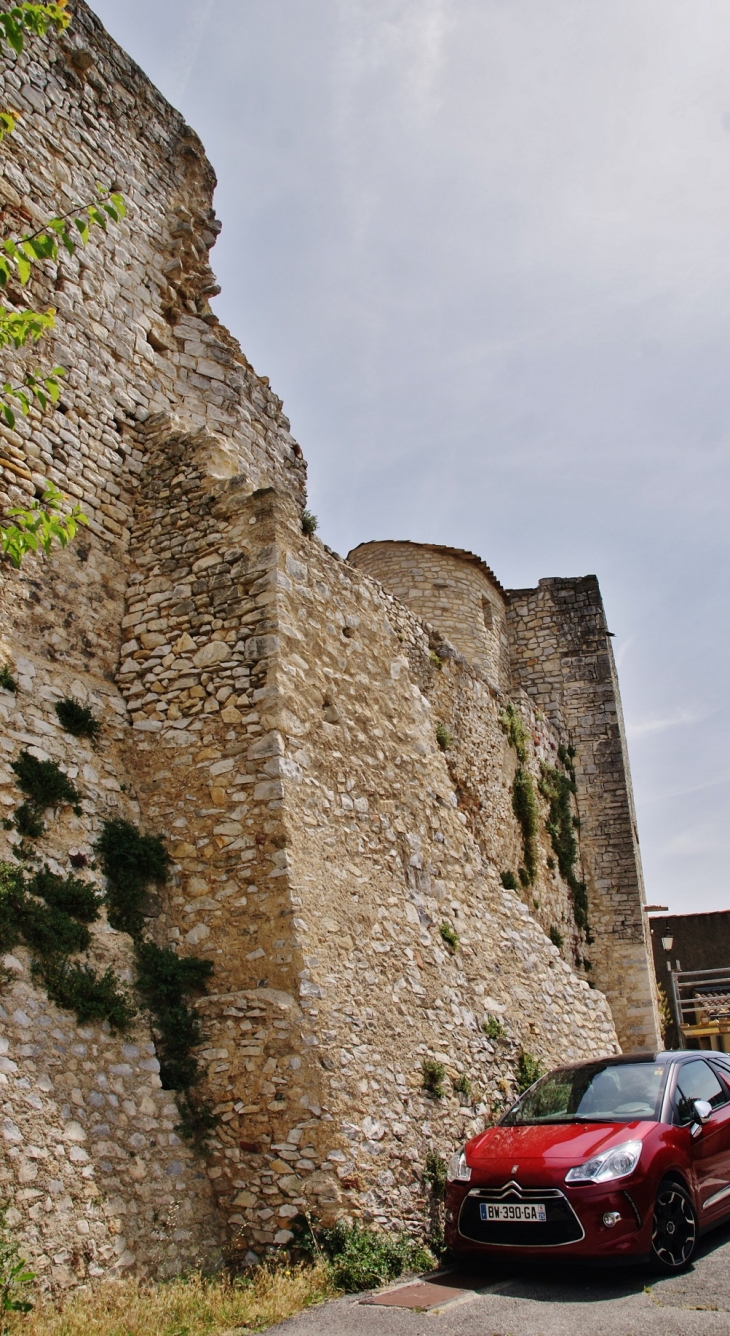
(680, 718)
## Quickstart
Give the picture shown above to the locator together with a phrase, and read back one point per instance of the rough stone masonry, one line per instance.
(272, 711)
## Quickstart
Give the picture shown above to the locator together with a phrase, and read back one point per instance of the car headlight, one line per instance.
(615, 1163)
(457, 1170)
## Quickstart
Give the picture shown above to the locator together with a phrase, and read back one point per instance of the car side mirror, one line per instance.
(702, 1113)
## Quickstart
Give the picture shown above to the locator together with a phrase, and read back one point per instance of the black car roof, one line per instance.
(650, 1055)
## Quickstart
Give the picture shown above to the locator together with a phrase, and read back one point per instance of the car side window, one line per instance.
(696, 1080)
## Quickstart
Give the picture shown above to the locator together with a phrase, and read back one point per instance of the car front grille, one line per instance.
(560, 1227)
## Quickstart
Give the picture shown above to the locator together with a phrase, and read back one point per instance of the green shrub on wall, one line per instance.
(130, 861)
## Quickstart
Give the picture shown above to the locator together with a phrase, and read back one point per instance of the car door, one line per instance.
(709, 1151)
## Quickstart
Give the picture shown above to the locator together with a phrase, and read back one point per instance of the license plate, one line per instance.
(507, 1211)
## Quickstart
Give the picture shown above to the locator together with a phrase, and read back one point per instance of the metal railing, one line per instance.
(701, 1001)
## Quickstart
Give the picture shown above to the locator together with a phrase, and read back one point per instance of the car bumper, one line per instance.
(629, 1239)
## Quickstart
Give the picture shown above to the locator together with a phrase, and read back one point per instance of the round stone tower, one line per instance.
(453, 590)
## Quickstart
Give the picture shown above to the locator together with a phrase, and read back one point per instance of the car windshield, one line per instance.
(600, 1092)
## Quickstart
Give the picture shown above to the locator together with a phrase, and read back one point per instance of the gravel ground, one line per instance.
(551, 1302)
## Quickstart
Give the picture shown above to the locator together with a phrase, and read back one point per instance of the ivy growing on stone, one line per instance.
(558, 787)
(525, 808)
(165, 981)
(511, 722)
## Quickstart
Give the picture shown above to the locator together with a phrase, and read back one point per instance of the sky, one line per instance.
(482, 250)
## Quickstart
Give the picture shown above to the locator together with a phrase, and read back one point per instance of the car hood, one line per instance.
(555, 1143)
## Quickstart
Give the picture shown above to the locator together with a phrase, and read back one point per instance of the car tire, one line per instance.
(674, 1229)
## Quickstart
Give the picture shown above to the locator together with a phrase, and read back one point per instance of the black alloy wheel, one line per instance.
(674, 1233)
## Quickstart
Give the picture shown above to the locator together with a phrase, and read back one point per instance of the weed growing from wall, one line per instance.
(434, 1178)
(90, 996)
(49, 914)
(444, 737)
(558, 787)
(435, 658)
(310, 523)
(129, 861)
(493, 1028)
(165, 981)
(508, 880)
(45, 785)
(7, 681)
(77, 719)
(434, 1174)
(14, 1276)
(433, 1074)
(529, 1070)
(450, 936)
(525, 808)
(556, 936)
(462, 1086)
(512, 725)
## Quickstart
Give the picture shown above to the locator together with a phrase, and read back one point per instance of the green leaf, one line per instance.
(8, 414)
(118, 202)
(83, 228)
(111, 211)
(8, 122)
(23, 268)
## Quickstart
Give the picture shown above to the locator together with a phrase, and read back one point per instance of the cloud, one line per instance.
(677, 720)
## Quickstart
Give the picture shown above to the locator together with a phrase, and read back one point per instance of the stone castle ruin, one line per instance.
(353, 763)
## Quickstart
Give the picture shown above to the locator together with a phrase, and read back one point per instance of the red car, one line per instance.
(626, 1159)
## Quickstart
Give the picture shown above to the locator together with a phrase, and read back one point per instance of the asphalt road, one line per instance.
(560, 1301)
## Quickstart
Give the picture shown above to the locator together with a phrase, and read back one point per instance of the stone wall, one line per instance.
(271, 712)
(287, 752)
(561, 655)
(453, 590)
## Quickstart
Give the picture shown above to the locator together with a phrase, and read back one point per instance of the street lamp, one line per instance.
(667, 943)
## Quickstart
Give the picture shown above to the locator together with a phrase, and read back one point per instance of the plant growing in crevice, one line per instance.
(14, 1276)
(90, 996)
(511, 722)
(434, 1175)
(45, 785)
(434, 1178)
(462, 1086)
(165, 981)
(435, 659)
(508, 880)
(433, 1074)
(7, 681)
(525, 808)
(444, 736)
(493, 1028)
(556, 936)
(49, 914)
(310, 523)
(529, 1070)
(129, 861)
(559, 787)
(77, 719)
(450, 936)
